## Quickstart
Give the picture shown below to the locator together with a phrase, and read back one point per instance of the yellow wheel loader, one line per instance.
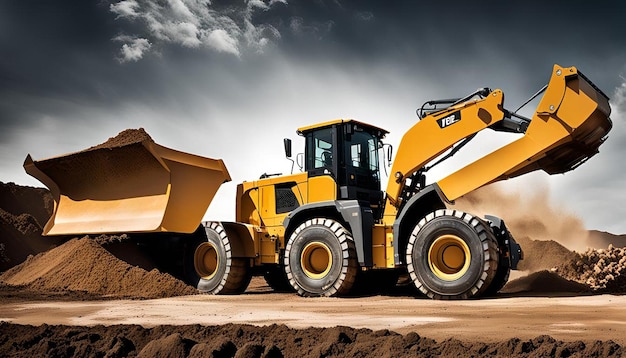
(330, 228)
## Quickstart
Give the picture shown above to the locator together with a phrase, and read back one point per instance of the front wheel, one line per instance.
(320, 258)
(452, 255)
(219, 272)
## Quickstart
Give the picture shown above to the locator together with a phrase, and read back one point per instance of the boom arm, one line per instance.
(569, 124)
(438, 132)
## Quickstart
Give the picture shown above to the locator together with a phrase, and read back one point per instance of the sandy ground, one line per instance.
(586, 318)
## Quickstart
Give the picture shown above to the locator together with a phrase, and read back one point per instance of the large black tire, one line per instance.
(219, 272)
(452, 255)
(320, 259)
(504, 266)
(501, 277)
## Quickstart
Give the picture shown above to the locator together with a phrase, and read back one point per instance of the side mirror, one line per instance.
(287, 143)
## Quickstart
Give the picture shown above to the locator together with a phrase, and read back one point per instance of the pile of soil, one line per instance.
(269, 341)
(603, 270)
(83, 266)
(602, 239)
(125, 137)
(545, 282)
(23, 213)
(542, 255)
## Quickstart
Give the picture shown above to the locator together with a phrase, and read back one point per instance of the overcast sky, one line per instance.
(230, 79)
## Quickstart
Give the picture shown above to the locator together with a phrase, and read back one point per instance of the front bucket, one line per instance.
(133, 187)
(569, 125)
(581, 109)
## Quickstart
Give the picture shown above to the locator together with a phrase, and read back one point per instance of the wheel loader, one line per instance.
(329, 228)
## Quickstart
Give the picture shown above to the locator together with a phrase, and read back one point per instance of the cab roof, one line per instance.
(304, 130)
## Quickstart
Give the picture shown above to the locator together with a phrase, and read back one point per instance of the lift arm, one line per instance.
(569, 124)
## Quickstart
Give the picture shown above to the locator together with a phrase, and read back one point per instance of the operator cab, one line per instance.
(346, 150)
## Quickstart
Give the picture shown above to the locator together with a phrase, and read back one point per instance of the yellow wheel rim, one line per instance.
(316, 260)
(449, 257)
(206, 260)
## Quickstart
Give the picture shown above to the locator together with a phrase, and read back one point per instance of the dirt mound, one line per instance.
(23, 212)
(270, 341)
(125, 137)
(16, 199)
(544, 282)
(602, 240)
(603, 270)
(82, 265)
(543, 255)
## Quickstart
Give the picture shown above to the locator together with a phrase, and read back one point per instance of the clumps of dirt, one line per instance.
(545, 282)
(83, 266)
(23, 212)
(125, 137)
(270, 341)
(603, 270)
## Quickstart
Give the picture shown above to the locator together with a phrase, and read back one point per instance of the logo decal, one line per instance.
(449, 119)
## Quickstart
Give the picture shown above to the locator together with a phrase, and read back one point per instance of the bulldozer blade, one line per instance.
(135, 187)
(570, 123)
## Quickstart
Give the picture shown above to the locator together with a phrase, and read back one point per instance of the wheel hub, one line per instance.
(449, 257)
(206, 260)
(316, 260)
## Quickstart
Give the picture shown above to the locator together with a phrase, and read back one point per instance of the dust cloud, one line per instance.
(528, 214)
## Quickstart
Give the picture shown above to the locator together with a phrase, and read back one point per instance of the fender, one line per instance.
(505, 240)
(426, 201)
(241, 238)
(359, 217)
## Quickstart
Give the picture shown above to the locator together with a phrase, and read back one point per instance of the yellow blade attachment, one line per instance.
(134, 187)
(567, 128)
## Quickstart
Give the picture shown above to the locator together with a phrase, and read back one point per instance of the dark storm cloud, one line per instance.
(57, 55)
(229, 28)
(62, 55)
(68, 49)
(50, 50)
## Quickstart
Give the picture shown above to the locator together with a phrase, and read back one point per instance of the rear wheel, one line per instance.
(452, 255)
(320, 259)
(219, 272)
